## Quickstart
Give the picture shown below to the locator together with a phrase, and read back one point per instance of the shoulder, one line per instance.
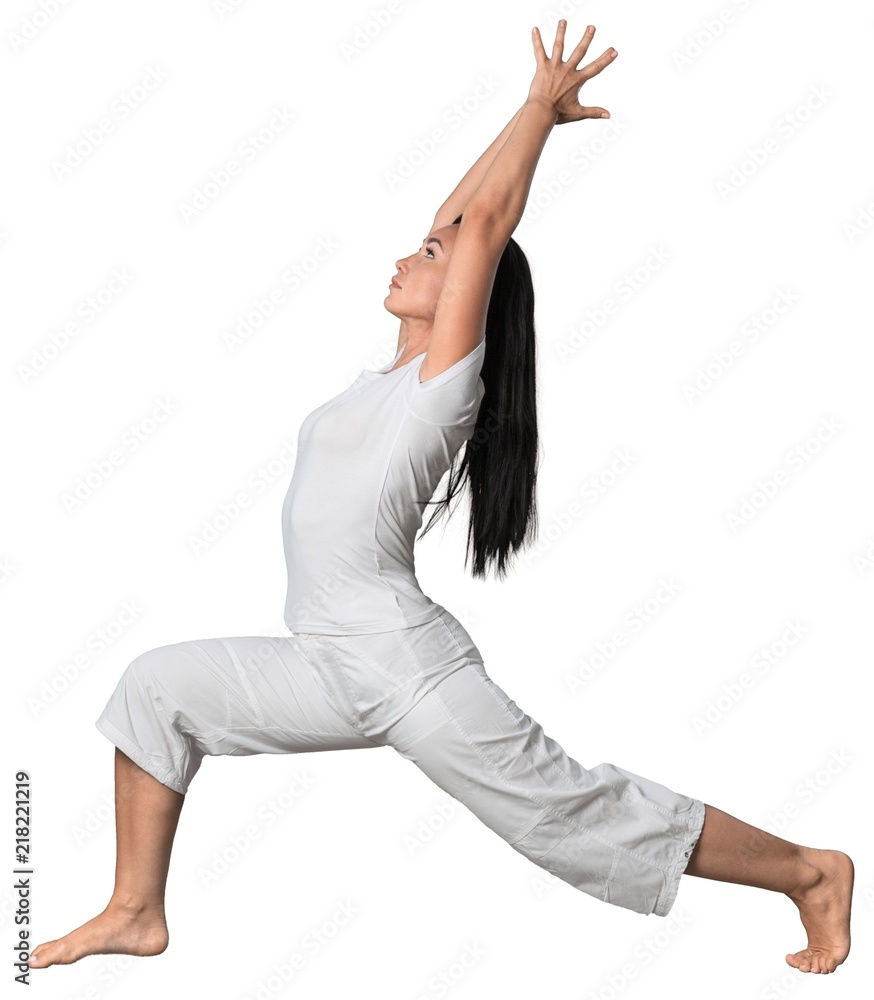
(454, 395)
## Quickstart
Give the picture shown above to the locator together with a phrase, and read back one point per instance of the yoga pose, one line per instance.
(373, 661)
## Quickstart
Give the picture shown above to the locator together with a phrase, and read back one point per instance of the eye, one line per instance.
(430, 251)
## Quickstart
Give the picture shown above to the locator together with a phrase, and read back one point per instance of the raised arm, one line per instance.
(456, 203)
(552, 100)
(487, 224)
(495, 206)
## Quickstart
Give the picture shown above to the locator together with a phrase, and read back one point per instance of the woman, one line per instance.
(374, 661)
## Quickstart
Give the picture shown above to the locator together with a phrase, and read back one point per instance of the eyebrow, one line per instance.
(433, 239)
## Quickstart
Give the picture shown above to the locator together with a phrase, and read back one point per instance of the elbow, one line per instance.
(491, 216)
(481, 211)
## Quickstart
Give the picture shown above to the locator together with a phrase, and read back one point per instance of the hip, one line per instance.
(378, 677)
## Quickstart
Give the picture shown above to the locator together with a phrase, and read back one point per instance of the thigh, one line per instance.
(223, 696)
(259, 694)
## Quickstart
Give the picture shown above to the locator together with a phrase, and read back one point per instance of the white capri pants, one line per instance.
(424, 691)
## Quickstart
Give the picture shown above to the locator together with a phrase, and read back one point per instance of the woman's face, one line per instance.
(420, 277)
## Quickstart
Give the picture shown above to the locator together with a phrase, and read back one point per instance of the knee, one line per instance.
(155, 667)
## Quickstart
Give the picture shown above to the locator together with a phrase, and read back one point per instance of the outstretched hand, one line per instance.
(559, 82)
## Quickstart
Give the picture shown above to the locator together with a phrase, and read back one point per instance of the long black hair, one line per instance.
(499, 461)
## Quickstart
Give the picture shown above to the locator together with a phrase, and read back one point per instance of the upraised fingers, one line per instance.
(539, 50)
(582, 47)
(595, 67)
(558, 45)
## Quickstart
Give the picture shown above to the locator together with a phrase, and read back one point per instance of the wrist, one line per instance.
(544, 106)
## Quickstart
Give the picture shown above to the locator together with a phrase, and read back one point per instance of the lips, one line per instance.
(394, 283)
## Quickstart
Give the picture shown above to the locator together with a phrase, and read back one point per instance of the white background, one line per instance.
(686, 124)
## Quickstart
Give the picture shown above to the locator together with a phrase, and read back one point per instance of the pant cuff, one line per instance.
(148, 763)
(668, 895)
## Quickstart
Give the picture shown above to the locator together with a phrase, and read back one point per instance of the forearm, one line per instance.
(456, 203)
(503, 191)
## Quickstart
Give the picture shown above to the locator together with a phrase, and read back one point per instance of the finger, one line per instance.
(595, 67)
(558, 45)
(539, 50)
(582, 47)
(595, 113)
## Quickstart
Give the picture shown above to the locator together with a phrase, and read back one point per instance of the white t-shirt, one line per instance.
(349, 519)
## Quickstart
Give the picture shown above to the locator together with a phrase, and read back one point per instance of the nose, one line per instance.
(403, 264)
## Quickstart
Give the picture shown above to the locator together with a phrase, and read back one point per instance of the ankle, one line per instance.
(808, 877)
(132, 906)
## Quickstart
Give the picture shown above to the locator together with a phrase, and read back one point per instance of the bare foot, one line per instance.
(825, 912)
(115, 931)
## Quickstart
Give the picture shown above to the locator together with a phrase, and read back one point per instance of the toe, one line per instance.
(802, 961)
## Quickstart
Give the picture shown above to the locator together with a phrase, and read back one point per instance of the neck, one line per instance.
(414, 336)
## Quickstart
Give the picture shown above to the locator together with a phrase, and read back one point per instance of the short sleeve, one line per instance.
(453, 396)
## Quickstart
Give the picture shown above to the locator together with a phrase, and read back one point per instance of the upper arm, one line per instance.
(462, 307)
(446, 216)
